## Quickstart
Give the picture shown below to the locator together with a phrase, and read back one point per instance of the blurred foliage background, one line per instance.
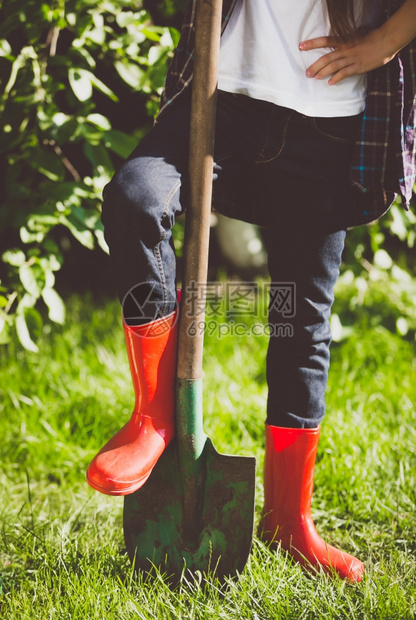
(80, 82)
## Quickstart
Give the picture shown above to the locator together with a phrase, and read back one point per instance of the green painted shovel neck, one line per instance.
(189, 420)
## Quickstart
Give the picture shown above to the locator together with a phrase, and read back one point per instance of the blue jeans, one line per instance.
(273, 166)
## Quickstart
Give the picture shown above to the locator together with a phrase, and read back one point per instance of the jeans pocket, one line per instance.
(338, 128)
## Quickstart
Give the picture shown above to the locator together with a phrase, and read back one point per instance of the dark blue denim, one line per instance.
(273, 166)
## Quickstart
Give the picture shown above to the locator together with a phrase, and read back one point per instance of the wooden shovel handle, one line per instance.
(201, 159)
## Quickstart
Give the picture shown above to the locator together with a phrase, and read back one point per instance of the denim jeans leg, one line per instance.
(140, 206)
(298, 362)
(304, 186)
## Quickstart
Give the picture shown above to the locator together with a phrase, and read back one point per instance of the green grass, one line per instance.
(62, 552)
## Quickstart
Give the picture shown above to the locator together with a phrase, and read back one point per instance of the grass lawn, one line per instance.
(62, 551)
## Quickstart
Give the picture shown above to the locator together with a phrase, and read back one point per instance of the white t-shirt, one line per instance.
(260, 57)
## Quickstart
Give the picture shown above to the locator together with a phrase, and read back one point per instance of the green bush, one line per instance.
(377, 284)
(61, 65)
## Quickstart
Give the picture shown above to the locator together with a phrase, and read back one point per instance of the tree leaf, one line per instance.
(4, 328)
(48, 164)
(99, 120)
(120, 142)
(28, 279)
(55, 305)
(130, 73)
(102, 87)
(99, 234)
(14, 257)
(80, 81)
(22, 328)
(98, 156)
(31, 237)
(5, 48)
(85, 237)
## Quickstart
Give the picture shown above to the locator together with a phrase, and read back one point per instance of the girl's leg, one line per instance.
(140, 205)
(139, 209)
(307, 180)
(305, 263)
(304, 177)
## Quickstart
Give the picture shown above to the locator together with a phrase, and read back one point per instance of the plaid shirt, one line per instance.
(384, 160)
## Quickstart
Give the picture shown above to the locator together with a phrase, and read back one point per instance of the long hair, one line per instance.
(341, 16)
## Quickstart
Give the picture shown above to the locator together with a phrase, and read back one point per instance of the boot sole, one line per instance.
(121, 490)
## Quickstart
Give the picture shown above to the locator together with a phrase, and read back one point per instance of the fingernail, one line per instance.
(301, 46)
(308, 74)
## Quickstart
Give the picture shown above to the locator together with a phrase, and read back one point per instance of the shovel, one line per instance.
(195, 513)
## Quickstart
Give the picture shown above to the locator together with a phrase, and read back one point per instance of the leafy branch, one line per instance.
(60, 65)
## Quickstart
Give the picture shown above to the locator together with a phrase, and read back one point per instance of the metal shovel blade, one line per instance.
(196, 510)
(159, 532)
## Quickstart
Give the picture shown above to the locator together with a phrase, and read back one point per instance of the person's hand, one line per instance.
(366, 52)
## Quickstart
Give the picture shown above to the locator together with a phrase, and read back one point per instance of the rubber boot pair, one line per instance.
(288, 486)
(124, 464)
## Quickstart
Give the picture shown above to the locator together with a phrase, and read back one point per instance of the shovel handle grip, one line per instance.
(201, 159)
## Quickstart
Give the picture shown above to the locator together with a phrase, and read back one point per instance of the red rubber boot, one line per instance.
(126, 461)
(288, 486)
